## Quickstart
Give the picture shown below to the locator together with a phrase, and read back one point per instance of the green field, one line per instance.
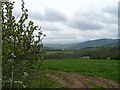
(107, 69)
(100, 68)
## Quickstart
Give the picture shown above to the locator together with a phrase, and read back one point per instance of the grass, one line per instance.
(42, 81)
(98, 68)
(107, 69)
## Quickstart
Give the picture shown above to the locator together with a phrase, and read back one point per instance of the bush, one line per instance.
(21, 48)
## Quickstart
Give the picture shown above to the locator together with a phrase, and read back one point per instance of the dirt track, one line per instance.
(73, 80)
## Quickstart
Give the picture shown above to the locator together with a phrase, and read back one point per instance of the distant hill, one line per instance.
(91, 43)
(97, 43)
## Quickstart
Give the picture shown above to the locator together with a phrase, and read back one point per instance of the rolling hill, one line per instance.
(97, 43)
(90, 43)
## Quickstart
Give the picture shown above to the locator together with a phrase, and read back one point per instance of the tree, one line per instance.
(21, 48)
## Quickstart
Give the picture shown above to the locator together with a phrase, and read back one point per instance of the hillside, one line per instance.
(91, 43)
(97, 43)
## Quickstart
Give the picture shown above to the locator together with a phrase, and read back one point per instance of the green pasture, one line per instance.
(99, 68)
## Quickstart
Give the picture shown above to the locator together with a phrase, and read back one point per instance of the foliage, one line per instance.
(92, 52)
(59, 55)
(21, 48)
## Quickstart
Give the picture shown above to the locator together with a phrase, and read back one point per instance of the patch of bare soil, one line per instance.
(73, 80)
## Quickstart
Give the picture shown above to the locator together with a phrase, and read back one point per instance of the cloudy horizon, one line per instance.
(73, 21)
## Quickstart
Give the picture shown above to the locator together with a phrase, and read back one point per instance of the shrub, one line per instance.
(21, 48)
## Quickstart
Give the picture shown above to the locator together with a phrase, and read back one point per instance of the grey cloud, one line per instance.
(64, 40)
(113, 10)
(110, 20)
(85, 24)
(33, 15)
(50, 15)
(51, 28)
(54, 15)
(59, 37)
(95, 19)
(36, 16)
(63, 37)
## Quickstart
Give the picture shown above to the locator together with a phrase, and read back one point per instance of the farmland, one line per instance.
(99, 68)
(106, 69)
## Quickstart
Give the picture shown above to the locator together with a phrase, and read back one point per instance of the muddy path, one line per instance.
(74, 80)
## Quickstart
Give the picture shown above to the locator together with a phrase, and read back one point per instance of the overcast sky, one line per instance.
(73, 21)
